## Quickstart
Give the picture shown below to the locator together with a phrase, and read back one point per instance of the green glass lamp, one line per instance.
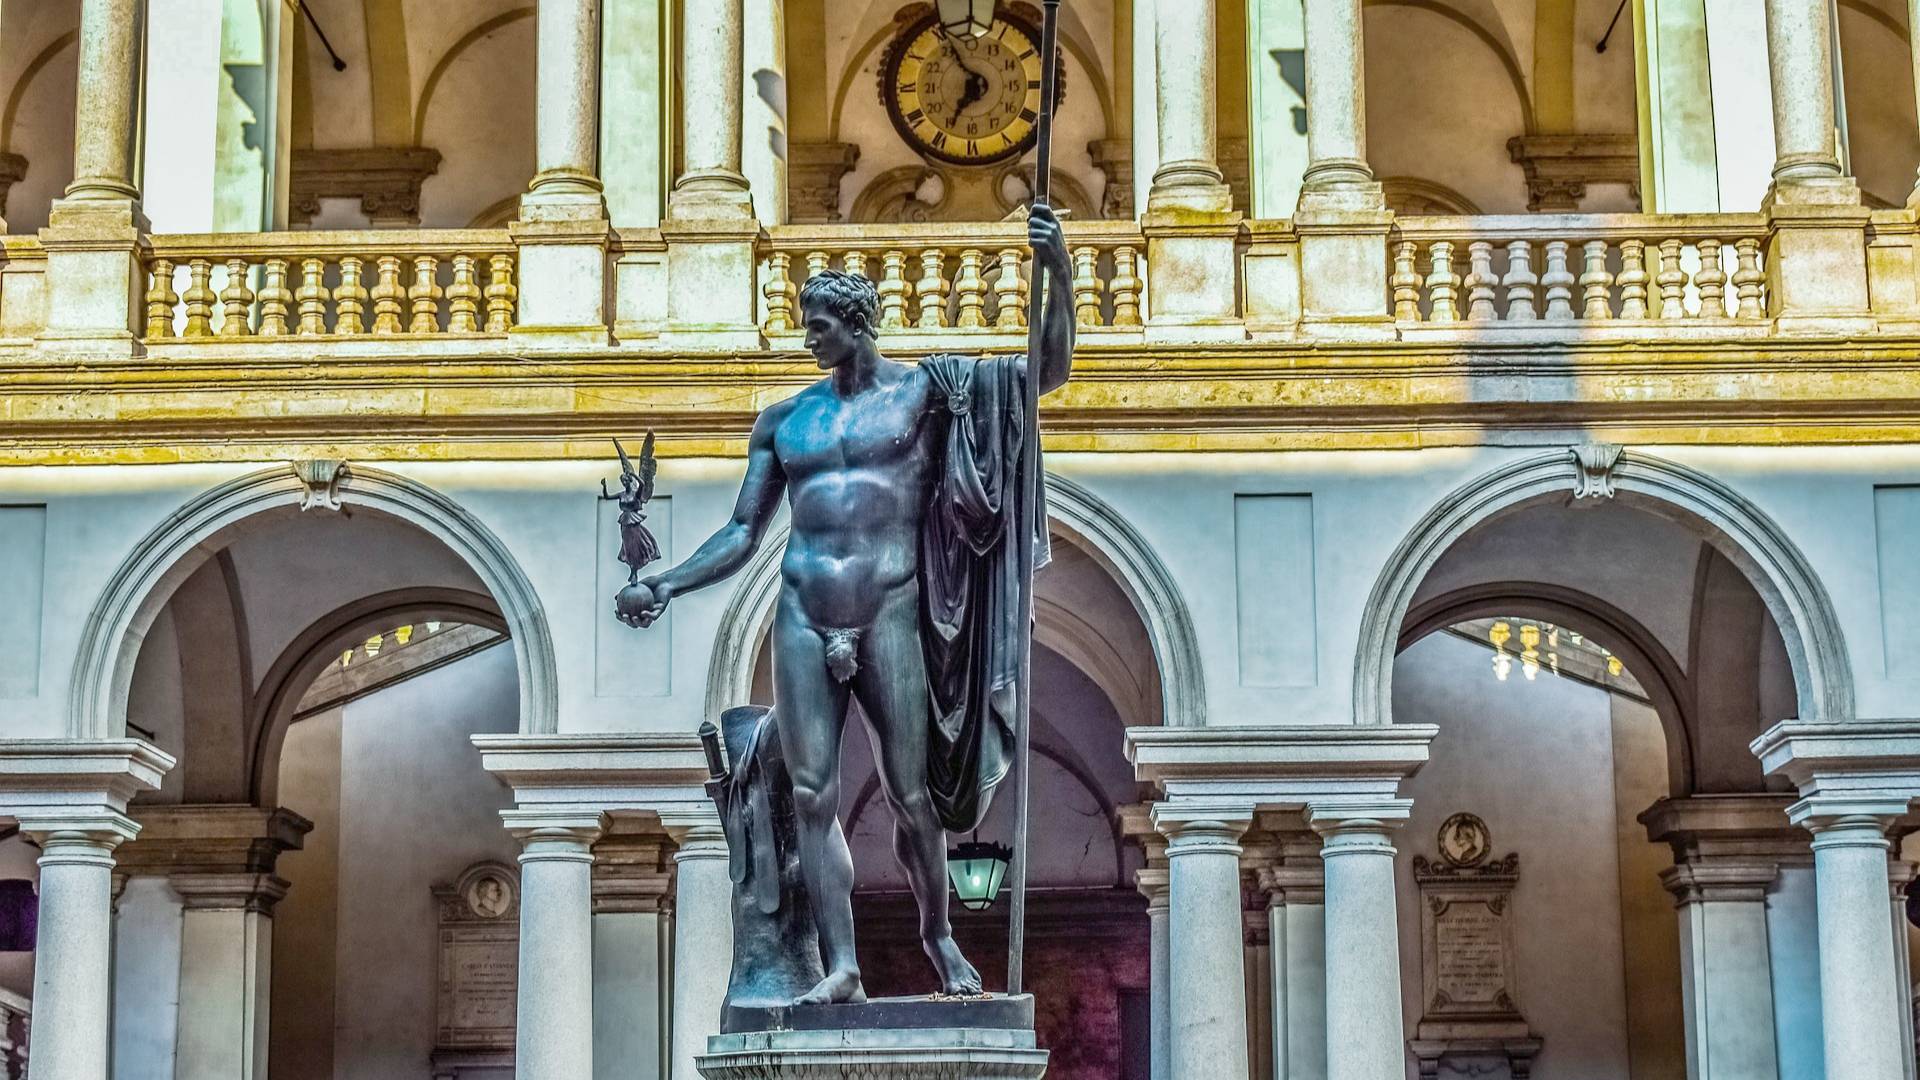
(977, 870)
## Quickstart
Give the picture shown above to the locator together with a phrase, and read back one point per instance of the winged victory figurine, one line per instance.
(637, 545)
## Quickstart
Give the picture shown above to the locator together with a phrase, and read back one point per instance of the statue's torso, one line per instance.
(859, 476)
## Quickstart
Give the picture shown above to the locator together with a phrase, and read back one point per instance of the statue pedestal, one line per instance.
(896, 1038)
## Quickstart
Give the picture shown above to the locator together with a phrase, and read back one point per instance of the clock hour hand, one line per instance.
(976, 89)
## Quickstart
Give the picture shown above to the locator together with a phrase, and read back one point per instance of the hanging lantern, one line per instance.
(966, 18)
(977, 871)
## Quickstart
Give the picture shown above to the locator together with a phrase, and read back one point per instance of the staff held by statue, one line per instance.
(1030, 505)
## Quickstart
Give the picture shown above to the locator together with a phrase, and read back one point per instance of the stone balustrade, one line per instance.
(265, 285)
(15, 1017)
(1656, 272)
(947, 277)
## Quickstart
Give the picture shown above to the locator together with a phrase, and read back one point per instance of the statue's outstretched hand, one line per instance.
(638, 605)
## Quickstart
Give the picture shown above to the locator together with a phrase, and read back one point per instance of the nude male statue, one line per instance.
(888, 468)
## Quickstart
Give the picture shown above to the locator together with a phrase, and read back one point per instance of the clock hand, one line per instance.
(976, 89)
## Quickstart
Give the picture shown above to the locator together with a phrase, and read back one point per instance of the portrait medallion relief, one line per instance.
(1465, 840)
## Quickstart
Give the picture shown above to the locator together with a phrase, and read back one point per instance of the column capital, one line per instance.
(1153, 883)
(630, 874)
(1850, 812)
(229, 892)
(558, 834)
(1288, 883)
(78, 835)
(1719, 881)
(1189, 824)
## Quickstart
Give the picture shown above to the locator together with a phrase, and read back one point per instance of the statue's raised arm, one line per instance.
(1055, 362)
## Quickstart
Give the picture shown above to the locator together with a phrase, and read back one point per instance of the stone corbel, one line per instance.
(320, 479)
(1596, 462)
(1114, 159)
(1559, 167)
(386, 180)
(814, 172)
(13, 169)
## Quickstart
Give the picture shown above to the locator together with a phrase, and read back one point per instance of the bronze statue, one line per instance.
(638, 548)
(899, 588)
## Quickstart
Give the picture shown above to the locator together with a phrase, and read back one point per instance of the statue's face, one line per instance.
(831, 339)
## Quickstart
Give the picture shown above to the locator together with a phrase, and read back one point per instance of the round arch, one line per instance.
(1107, 536)
(1815, 642)
(274, 706)
(1659, 674)
(145, 579)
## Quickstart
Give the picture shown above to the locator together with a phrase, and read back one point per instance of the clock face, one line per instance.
(966, 100)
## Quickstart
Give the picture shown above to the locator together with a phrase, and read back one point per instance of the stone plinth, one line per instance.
(890, 1053)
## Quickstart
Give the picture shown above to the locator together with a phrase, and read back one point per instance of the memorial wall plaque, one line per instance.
(479, 969)
(1472, 1018)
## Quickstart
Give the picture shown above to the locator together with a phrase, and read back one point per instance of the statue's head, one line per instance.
(838, 310)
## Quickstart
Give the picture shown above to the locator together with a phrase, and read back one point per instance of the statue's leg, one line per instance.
(812, 710)
(891, 687)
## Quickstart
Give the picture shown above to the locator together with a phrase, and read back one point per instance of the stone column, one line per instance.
(72, 984)
(1188, 176)
(1913, 49)
(105, 100)
(1336, 96)
(1152, 882)
(1207, 1022)
(1861, 1018)
(219, 861)
(94, 285)
(1800, 61)
(562, 232)
(702, 939)
(554, 1029)
(1900, 874)
(567, 88)
(1725, 967)
(713, 83)
(630, 995)
(1297, 928)
(226, 974)
(1366, 1039)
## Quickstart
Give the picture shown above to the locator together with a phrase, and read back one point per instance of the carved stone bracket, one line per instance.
(1559, 167)
(386, 180)
(13, 169)
(1597, 462)
(1114, 158)
(814, 172)
(320, 479)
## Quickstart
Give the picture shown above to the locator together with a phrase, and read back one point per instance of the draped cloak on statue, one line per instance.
(970, 628)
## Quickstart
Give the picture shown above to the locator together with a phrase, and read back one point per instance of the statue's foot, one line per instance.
(838, 988)
(957, 977)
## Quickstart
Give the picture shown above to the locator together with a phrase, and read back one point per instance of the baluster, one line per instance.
(349, 297)
(313, 296)
(1748, 279)
(160, 300)
(1596, 284)
(1711, 280)
(1480, 282)
(1406, 282)
(893, 290)
(501, 293)
(854, 262)
(388, 295)
(236, 301)
(199, 299)
(1126, 286)
(463, 297)
(932, 289)
(1633, 280)
(1519, 281)
(780, 294)
(972, 289)
(274, 299)
(1443, 285)
(818, 262)
(1010, 293)
(1086, 285)
(424, 295)
(1558, 281)
(1672, 282)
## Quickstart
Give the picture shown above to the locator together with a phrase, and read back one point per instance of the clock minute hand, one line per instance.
(976, 89)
